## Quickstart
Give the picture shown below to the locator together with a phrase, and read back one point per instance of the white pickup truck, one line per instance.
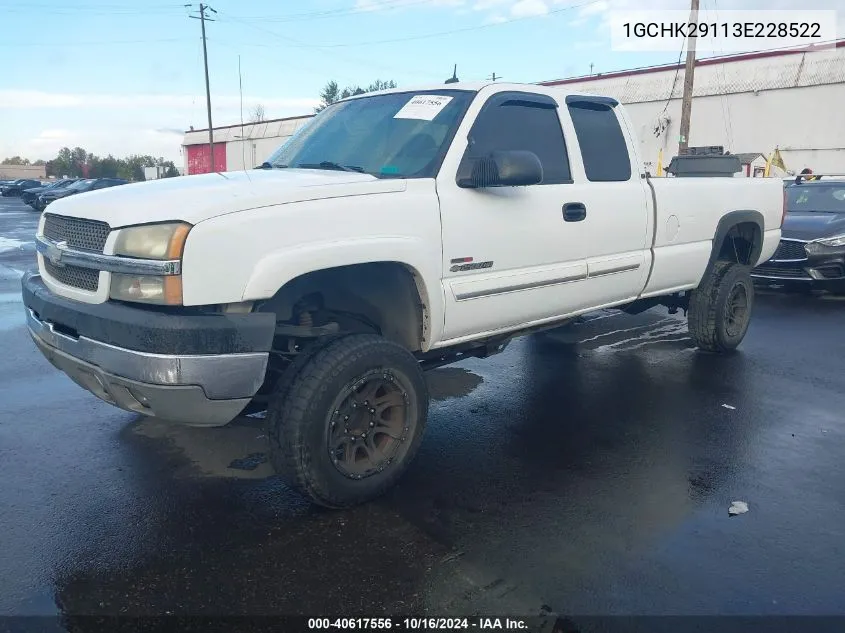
(397, 231)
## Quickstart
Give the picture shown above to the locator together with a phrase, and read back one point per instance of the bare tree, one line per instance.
(256, 115)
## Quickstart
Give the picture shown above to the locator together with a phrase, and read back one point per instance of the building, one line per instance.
(748, 103)
(237, 147)
(14, 172)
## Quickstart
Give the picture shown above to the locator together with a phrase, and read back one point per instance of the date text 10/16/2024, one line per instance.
(424, 624)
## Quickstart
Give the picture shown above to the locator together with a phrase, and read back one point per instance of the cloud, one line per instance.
(53, 135)
(384, 5)
(494, 18)
(486, 5)
(525, 8)
(601, 12)
(594, 9)
(98, 140)
(118, 124)
(35, 99)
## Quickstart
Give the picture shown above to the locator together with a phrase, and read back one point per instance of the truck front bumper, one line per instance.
(196, 369)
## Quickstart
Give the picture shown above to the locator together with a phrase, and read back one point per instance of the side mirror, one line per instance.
(514, 168)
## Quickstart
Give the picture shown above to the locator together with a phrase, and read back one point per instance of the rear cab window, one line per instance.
(603, 147)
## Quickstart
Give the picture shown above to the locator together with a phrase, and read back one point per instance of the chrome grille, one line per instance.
(784, 270)
(85, 235)
(82, 278)
(788, 249)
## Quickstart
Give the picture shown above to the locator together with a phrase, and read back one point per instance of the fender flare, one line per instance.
(726, 223)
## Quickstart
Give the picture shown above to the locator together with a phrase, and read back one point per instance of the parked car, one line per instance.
(80, 186)
(17, 187)
(811, 254)
(401, 231)
(30, 196)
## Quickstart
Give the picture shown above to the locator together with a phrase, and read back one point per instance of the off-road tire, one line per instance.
(708, 314)
(302, 409)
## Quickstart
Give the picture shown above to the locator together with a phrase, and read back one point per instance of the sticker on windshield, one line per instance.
(423, 107)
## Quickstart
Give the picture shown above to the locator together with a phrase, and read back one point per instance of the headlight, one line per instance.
(154, 241)
(836, 240)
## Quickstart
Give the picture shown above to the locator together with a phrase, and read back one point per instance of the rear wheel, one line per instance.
(720, 308)
(348, 422)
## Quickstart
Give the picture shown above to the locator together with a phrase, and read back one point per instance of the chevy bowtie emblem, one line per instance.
(55, 251)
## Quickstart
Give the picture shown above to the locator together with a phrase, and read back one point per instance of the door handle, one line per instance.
(574, 212)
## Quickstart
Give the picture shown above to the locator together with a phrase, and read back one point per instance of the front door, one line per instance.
(511, 255)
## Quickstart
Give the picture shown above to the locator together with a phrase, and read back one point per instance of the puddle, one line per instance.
(451, 382)
(235, 450)
(239, 450)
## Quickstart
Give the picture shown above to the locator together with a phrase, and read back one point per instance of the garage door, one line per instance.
(199, 158)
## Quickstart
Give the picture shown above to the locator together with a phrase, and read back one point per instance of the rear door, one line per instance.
(610, 183)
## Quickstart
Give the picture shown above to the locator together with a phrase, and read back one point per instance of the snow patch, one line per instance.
(11, 244)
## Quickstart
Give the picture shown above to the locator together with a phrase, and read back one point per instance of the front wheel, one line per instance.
(720, 308)
(350, 421)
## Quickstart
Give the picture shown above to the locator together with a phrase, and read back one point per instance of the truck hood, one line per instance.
(196, 198)
(812, 225)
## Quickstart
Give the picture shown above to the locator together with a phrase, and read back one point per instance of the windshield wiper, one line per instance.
(266, 165)
(327, 164)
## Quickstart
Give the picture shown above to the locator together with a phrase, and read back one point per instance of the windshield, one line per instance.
(395, 135)
(82, 184)
(819, 198)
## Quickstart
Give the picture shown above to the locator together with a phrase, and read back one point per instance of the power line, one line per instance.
(675, 79)
(47, 10)
(385, 5)
(443, 33)
(51, 43)
(35, 5)
(726, 106)
(337, 13)
(295, 43)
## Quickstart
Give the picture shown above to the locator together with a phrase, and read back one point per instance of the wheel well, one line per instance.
(741, 244)
(386, 298)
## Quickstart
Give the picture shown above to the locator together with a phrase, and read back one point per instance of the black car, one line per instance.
(17, 187)
(81, 186)
(31, 195)
(811, 254)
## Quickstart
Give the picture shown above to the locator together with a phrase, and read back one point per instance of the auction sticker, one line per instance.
(423, 107)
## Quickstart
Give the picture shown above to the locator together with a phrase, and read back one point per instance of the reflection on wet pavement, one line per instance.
(588, 469)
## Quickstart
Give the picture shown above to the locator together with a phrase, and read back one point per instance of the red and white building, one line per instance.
(237, 147)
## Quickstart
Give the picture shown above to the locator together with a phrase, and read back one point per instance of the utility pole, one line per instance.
(493, 77)
(591, 69)
(202, 18)
(689, 74)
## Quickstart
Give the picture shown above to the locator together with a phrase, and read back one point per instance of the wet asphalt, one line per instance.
(584, 471)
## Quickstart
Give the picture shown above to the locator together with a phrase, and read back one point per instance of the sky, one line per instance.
(120, 77)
